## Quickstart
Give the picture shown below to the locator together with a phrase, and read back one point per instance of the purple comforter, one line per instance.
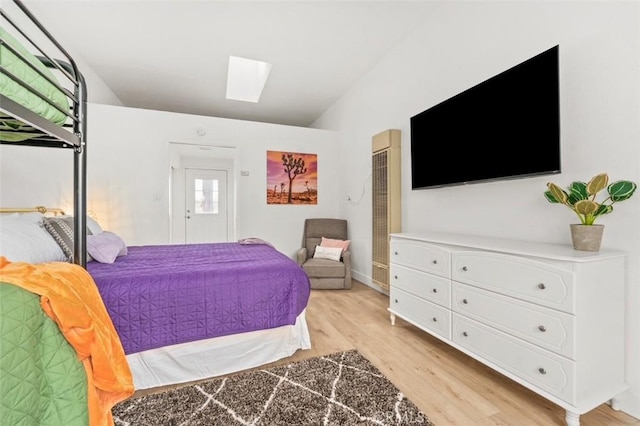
(168, 294)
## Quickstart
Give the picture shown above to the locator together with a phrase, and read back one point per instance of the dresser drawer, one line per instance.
(548, 328)
(516, 276)
(543, 369)
(421, 256)
(420, 312)
(427, 286)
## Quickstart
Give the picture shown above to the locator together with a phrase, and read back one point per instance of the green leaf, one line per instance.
(550, 198)
(604, 209)
(577, 191)
(621, 190)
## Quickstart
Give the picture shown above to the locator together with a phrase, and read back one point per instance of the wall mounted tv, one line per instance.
(506, 127)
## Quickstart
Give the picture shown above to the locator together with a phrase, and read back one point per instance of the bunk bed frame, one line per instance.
(72, 135)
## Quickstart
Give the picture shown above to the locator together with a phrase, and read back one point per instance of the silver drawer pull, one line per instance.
(435, 290)
(395, 301)
(435, 319)
(465, 301)
(434, 261)
(395, 277)
(465, 334)
(542, 328)
(542, 370)
(395, 252)
(464, 268)
(541, 286)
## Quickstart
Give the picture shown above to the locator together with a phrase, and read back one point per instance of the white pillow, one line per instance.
(23, 239)
(331, 253)
(106, 247)
(33, 217)
(93, 226)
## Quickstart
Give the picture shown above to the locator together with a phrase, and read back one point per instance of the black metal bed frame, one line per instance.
(73, 134)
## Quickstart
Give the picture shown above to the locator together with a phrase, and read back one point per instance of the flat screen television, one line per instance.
(506, 127)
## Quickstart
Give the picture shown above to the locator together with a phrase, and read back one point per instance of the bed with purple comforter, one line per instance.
(168, 294)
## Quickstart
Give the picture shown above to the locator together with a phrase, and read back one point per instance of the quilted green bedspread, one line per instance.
(42, 382)
(21, 95)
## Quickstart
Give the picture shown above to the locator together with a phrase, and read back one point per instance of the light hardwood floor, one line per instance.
(448, 386)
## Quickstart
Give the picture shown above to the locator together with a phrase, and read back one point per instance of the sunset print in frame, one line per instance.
(292, 178)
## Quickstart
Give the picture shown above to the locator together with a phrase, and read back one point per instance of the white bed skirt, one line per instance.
(191, 361)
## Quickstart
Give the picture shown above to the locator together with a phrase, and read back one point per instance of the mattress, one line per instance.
(23, 96)
(188, 362)
(165, 295)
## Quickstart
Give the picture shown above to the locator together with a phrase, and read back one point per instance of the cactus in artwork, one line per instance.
(293, 167)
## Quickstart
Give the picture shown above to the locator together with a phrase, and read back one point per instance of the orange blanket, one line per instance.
(70, 297)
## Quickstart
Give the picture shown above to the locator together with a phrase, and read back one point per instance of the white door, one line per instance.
(205, 206)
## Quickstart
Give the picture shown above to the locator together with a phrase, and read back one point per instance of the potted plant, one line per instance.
(581, 198)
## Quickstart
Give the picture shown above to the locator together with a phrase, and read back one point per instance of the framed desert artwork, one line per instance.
(292, 178)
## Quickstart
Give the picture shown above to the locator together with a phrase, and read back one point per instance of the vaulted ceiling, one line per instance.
(173, 55)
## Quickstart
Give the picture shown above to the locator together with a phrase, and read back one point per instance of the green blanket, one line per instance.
(24, 97)
(42, 382)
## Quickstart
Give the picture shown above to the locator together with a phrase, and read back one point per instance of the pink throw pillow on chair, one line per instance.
(328, 242)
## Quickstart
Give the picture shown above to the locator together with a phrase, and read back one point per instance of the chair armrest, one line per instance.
(346, 258)
(301, 256)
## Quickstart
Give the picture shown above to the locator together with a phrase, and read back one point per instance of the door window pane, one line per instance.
(206, 199)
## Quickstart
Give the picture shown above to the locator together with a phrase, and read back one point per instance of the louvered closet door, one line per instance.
(380, 220)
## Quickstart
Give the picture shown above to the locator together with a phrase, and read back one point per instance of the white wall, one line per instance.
(464, 43)
(128, 173)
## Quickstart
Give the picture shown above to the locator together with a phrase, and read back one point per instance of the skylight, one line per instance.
(246, 79)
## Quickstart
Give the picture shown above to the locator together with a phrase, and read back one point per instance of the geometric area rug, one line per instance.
(343, 388)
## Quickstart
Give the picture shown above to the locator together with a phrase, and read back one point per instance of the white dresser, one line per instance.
(547, 316)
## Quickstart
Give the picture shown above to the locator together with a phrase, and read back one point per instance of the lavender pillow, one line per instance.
(106, 246)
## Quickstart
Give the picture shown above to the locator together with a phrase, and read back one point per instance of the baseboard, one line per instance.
(629, 402)
(367, 281)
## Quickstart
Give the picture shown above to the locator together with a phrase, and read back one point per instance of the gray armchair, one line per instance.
(325, 273)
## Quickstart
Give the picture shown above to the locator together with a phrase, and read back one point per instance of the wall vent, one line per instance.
(385, 201)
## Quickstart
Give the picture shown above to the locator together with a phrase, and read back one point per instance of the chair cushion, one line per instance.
(324, 268)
